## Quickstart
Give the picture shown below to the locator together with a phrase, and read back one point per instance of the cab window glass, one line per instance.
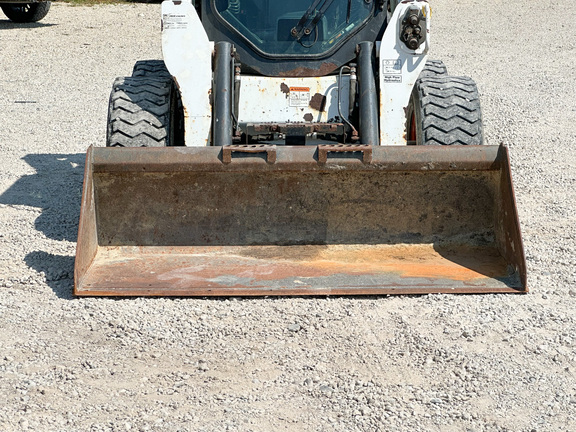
(284, 28)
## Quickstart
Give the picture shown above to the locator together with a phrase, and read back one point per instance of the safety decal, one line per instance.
(392, 66)
(174, 22)
(299, 96)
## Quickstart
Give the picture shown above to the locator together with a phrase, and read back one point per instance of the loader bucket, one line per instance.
(278, 220)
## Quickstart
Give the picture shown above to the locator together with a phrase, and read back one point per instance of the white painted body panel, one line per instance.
(188, 57)
(267, 99)
(398, 70)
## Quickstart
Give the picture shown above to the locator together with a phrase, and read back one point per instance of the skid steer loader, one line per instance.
(306, 147)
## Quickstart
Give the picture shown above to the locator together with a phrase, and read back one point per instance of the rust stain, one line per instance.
(318, 102)
(308, 117)
(460, 263)
(414, 261)
(411, 261)
(324, 69)
(211, 270)
(285, 89)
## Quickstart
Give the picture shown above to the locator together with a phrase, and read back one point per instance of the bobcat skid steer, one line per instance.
(303, 147)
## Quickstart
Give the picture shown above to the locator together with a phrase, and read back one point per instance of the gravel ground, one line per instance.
(420, 363)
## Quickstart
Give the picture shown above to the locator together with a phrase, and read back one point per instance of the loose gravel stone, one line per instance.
(294, 327)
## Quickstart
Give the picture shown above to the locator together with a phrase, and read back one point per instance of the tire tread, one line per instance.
(139, 112)
(451, 111)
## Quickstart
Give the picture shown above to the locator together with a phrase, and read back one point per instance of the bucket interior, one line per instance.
(280, 230)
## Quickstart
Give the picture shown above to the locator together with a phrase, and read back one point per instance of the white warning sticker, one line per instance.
(299, 96)
(392, 66)
(174, 22)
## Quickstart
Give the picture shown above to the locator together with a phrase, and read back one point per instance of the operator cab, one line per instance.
(296, 37)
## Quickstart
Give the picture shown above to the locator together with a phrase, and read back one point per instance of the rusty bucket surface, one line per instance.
(275, 220)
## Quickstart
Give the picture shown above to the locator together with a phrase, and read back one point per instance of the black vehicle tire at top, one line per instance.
(433, 68)
(25, 12)
(144, 112)
(151, 68)
(444, 110)
(157, 69)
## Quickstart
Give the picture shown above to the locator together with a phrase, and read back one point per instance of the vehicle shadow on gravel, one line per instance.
(57, 269)
(6, 24)
(56, 189)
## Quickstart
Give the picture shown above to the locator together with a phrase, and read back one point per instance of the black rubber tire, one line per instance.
(157, 69)
(433, 68)
(143, 112)
(25, 12)
(150, 68)
(444, 110)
